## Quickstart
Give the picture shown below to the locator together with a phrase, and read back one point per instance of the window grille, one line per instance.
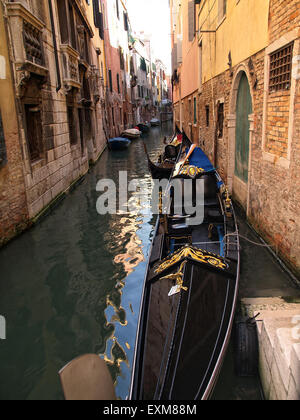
(281, 68)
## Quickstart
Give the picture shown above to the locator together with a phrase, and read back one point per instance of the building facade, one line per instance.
(236, 93)
(58, 92)
(13, 204)
(70, 79)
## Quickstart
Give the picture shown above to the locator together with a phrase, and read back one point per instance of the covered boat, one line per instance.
(155, 122)
(119, 143)
(190, 292)
(131, 133)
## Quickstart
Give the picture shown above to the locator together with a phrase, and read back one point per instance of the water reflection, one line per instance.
(72, 285)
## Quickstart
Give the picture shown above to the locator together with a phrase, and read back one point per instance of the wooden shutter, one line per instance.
(191, 20)
(174, 57)
(179, 50)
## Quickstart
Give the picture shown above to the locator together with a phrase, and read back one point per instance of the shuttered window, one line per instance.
(117, 8)
(179, 50)
(220, 123)
(174, 57)
(222, 9)
(34, 131)
(110, 80)
(2, 144)
(98, 18)
(191, 17)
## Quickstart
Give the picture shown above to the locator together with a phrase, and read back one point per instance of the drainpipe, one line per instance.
(58, 86)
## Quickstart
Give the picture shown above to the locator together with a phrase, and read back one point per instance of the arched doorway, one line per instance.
(242, 131)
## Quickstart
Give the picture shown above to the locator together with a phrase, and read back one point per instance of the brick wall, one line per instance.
(13, 206)
(284, 16)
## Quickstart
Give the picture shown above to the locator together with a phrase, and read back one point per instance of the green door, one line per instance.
(243, 110)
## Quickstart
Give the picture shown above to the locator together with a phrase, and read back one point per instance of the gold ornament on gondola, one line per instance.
(196, 255)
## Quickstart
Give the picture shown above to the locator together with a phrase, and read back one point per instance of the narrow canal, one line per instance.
(72, 285)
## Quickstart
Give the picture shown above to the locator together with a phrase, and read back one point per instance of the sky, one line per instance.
(153, 17)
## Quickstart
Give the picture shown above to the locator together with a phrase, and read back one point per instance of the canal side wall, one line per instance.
(13, 204)
(279, 346)
(52, 114)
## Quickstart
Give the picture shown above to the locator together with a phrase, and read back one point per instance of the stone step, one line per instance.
(279, 340)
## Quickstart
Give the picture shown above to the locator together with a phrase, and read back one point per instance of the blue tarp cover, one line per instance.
(119, 139)
(200, 160)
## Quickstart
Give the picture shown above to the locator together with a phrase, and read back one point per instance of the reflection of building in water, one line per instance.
(117, 356)
(127, 248)
(134, 253)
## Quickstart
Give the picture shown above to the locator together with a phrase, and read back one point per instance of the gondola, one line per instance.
(190, 291)
(164, 167)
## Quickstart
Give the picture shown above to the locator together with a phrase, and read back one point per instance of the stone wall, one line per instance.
(34, 181)
(13, 206)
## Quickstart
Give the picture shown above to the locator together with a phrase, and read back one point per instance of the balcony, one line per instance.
(70, 60)
(27, 40)
(97, 84)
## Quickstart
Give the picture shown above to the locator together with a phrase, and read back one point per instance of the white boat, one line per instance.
(155, 122)
(131, 133)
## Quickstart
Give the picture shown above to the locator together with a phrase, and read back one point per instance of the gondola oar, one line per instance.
(87, 378)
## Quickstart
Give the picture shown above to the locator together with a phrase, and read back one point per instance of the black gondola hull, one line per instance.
(183, 335)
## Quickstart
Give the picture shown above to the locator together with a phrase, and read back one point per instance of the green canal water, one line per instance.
(72, 285)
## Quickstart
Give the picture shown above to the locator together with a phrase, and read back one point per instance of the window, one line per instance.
(118, 82)
(2, 144)
(113, 116)
(281, 68)
(222, 9)
(207, 115)
(192, 20)
(72, 126)
(98, 18)
(117, 8)
(81, 127)
(110, 80)
(195, 110)
(62, 13)
(220, 122)
(126, 27)
(200, 65)
(34, 131)
(72, 22)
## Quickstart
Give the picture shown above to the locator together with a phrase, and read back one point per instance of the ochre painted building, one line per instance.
(237, 92)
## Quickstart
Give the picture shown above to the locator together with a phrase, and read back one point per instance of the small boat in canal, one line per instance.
(155, 122)
(119, 143)
(190, 292)
(131, 134)
(144, 128)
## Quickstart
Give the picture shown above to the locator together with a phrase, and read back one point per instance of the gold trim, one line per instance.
(178, 277)
(193, 253)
